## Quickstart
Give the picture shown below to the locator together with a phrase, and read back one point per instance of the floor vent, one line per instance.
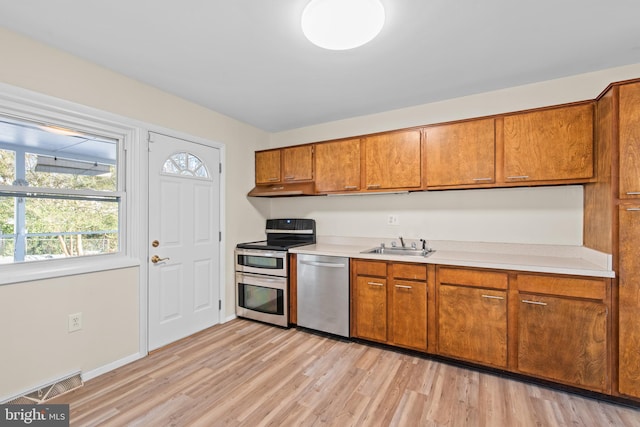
(50, 391)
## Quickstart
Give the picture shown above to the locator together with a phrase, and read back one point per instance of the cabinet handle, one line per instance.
(290, 177)
(375, 284)
(483, 179)
(518, 177)
(491, 297)
(350, 187)
(404, 287)
(526, 301)
(633, 209)
(373, 186)
(273, 179)
(633, 193)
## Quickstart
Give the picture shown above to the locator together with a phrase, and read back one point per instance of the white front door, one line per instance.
(184, 242)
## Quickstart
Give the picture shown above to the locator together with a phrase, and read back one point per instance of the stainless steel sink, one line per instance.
(399, 251)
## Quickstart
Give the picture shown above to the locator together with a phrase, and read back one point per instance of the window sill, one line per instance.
(49, 269)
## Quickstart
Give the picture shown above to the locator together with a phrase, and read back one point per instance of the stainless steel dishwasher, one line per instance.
(323, 293)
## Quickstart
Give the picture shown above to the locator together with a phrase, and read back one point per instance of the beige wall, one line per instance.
(36, 67)
(36, 345)
(525, 215)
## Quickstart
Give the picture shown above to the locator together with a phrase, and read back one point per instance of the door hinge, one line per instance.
(219, 236)
(149, 141)
(220, 167)
(219, 304)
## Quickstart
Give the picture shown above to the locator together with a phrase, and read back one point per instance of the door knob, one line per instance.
(156, 259)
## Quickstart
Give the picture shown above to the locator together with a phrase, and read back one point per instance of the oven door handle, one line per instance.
(263, 277)
(323, 264)
(262, 254)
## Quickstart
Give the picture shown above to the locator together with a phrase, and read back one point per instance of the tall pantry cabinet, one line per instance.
(612, 220)
(629, 238)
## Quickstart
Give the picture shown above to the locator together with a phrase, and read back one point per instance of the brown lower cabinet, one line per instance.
(563, 329)
(472, 315)
(389, 303)
(563, 339)
(553, 327)
(629, 302)
(371, 308)
(408, 306)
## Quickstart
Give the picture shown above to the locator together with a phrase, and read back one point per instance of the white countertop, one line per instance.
(572, 260)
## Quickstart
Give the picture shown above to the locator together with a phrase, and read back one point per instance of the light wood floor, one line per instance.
(244, 373)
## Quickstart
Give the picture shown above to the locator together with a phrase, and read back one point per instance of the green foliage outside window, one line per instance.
(68, 227)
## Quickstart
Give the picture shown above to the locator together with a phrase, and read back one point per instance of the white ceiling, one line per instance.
(248, 59)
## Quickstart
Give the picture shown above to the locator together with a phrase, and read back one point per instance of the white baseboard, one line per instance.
(86, 376)
(229, 318)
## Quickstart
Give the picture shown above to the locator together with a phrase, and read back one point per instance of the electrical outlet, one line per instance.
(393, 220)
(75, 322)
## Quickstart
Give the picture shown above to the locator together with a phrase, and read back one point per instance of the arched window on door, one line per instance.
(185, 164)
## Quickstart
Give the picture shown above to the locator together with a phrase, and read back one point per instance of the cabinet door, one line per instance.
(630, 141)
(547, 145)
(338, 166)
(267, 167)
(629, 302)
(392, 160)
(461, 153)
(563, 339)
(472, 324)
(371, 308)
(409, 314)
(298, 163)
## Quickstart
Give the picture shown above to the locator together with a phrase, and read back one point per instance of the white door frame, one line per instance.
(145, 248)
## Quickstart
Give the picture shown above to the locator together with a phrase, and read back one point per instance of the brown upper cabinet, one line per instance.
(338, 166)
(549, 145)
(268, 167)
(460, 153)
(297, 163)
(546, 146)
(290, 164)
(629, 114)
(392, 160)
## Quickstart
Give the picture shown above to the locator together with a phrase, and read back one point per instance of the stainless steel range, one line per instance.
(262, 270)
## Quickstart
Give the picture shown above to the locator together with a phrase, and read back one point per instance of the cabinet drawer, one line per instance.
(475, 278)
(563, 286)
(409, 271)
(371, 268)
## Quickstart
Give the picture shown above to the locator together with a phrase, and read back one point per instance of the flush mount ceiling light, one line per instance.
(342, 24)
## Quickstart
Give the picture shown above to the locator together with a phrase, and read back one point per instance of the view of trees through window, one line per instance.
(80, 216)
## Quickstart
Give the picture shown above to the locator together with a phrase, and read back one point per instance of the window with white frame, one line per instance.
(59, 192)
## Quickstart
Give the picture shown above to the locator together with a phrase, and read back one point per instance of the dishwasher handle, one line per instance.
(323, 264)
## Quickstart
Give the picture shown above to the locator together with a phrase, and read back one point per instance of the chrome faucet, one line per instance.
(424, 244)
(402, 242)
